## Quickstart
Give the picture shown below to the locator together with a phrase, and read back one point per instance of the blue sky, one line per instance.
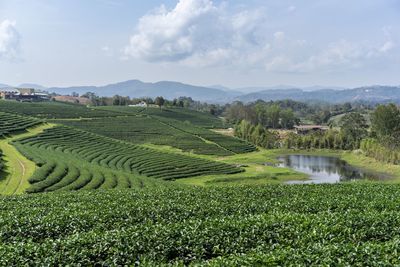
(235, 43)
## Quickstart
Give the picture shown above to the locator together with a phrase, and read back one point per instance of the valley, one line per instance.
(119, 185)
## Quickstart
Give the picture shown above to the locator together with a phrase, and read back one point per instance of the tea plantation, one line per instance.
(99, 197)
(74, 159)
(328, 225)
(53, 110)
(12, 123)
(161, 131)
(181, 114)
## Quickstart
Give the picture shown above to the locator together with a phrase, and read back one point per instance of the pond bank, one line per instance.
(260, 167)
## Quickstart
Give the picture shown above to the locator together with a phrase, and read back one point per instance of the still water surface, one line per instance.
(323, 169)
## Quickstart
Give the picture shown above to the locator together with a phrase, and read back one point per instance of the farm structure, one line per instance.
(23, 94)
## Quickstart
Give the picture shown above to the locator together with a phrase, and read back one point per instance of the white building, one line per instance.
(141, 104)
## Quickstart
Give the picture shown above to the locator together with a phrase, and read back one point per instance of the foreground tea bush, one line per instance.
(344, 224)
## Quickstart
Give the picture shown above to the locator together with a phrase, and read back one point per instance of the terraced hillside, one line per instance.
(61, 150)
(228, 143)
(200, 119)
(53, 110)
(12, 123)
(157, 130)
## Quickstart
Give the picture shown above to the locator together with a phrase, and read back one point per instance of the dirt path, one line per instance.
(18, 168)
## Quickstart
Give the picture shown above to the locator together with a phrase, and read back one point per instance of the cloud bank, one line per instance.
(9, 40)
(201, 33)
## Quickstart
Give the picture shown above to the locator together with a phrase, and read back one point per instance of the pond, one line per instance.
(325, 169)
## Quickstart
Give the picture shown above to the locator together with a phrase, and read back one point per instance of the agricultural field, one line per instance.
(49, 110)
(12, 123)
(161, 131)
(75, 159)
(181, 114)
(232, 144)
(127, 190)
(303, 225)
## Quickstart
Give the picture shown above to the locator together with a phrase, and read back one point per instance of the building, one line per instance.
(26, 91)
(141, 104)
(306, 129)
(8, 93)
(23, 95)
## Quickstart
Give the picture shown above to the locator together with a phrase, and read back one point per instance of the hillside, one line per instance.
(221, 94)
(374, 94)
(136, 88)
(116, 186)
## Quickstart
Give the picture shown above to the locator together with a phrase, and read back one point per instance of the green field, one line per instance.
(183, 115)
(328, 225)
(160, 131)
(11, 123)
(70, 149)
(51, 110)
(115, 186)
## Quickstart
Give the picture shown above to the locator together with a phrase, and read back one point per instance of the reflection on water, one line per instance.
(323, 169)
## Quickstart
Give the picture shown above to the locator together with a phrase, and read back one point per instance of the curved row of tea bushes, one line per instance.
(65, 174)
(51, 110)
(196, 118)
(144, 129)
(122, 156)
(12, 123)
(232, 144)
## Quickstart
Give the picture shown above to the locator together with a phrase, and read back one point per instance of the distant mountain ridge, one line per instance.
(374, 94)
(222, 94)
(136, 88)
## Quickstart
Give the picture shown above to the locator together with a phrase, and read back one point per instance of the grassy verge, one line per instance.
(18, 168)
(260, 170)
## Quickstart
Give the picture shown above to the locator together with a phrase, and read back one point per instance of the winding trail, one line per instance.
(18, 168)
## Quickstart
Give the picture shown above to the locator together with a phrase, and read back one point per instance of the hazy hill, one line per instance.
(375, 94)
(221, 94)
(136, 88)
(2, 85)
(32, 85)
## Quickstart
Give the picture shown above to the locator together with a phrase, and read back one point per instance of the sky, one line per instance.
(236, 43)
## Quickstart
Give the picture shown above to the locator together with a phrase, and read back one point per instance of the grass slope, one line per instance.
(17, 167)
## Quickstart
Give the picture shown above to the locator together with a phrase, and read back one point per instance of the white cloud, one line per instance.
(389, 45)
(291, 8)
(200, 33)
(336, 56)
(195, 30)
(9, 40)
(108, 51)
(279, 36)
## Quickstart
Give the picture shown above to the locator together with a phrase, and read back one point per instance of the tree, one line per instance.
(354, 129)
(159, 101)
(288, 119)
(386, 122)
(273, 114)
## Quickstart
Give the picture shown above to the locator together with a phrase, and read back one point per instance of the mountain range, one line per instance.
(221, 94)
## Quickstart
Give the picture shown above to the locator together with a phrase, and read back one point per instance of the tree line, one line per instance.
(379, 139)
